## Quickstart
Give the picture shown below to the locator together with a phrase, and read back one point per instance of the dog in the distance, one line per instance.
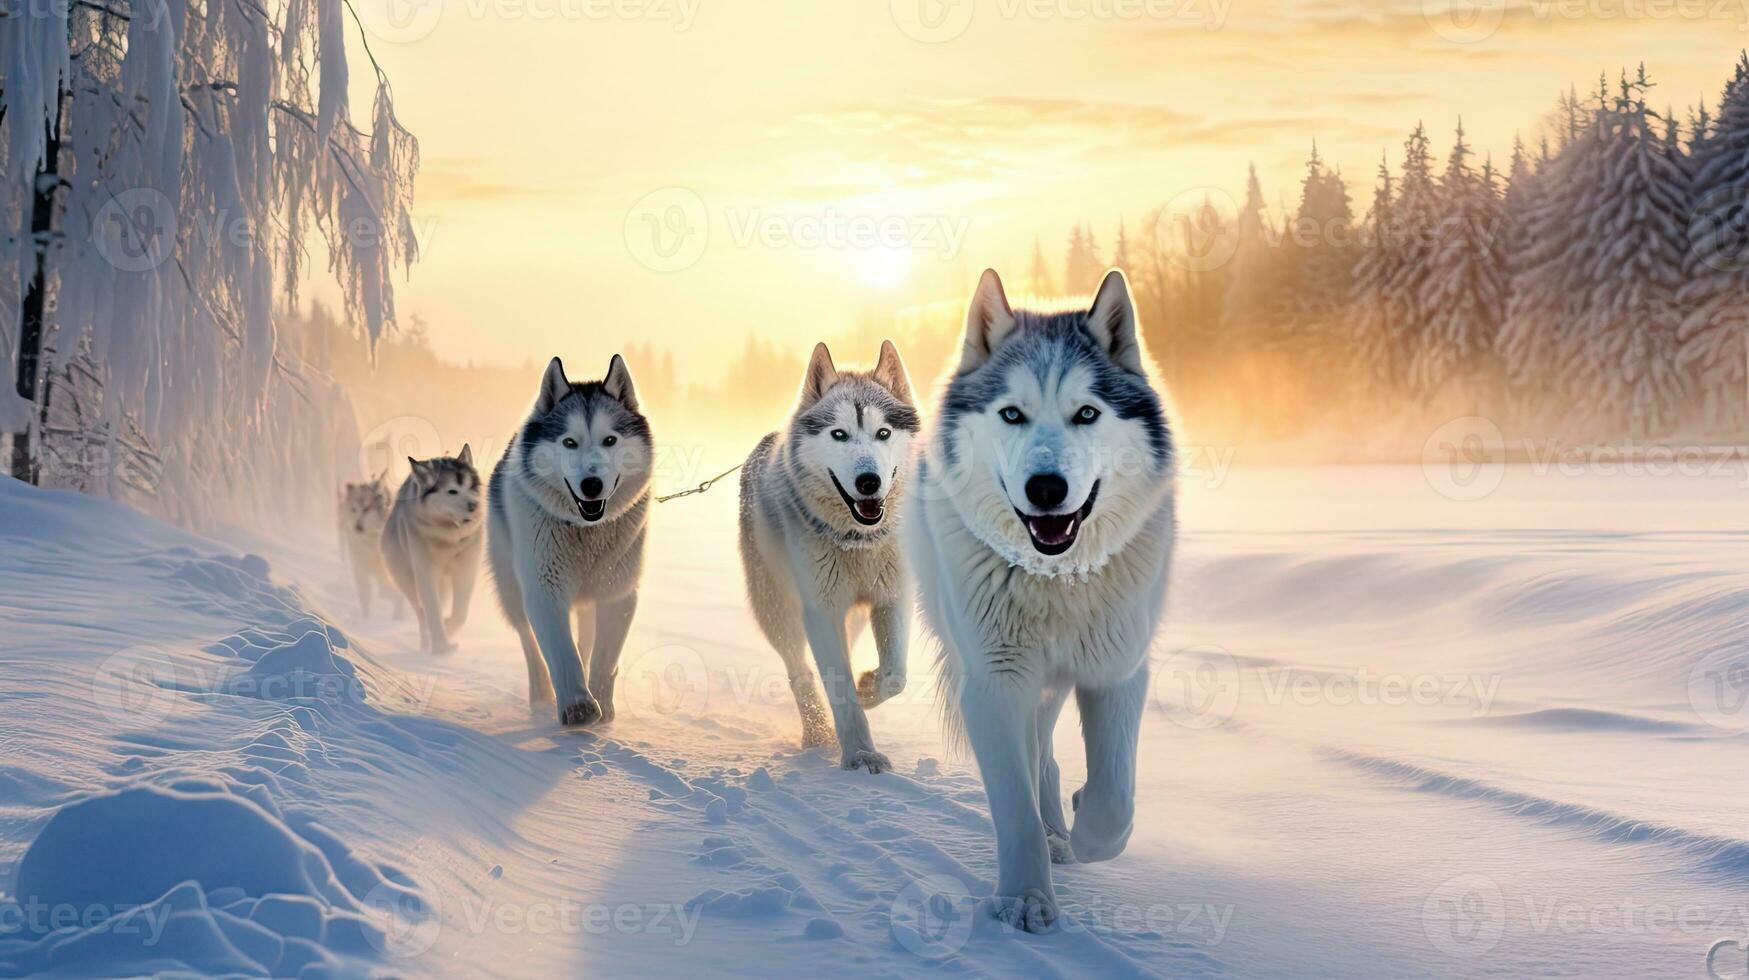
(432, 541)
(363, 512)
(568, 506)
(819, 504)
(1041, 534)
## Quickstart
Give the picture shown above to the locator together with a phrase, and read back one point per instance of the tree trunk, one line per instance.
(32, 318)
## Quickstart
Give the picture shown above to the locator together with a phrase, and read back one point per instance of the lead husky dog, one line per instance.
(568, 507)
(1041, 535)
(364, 510)
(431, 544)
(818, 503)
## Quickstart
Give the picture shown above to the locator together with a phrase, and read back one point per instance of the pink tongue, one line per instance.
(1052, 530)
(868, 510)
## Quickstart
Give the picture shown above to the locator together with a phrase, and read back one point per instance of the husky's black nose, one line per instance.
(868, 484)
(591, 487)
(1047, 491)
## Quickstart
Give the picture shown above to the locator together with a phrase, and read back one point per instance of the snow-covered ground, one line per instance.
(1394, 734)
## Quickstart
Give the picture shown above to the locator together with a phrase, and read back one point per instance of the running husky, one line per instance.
(1041, 537)
(568, 506)
(818, 507)
(431, 544)
(364, 509)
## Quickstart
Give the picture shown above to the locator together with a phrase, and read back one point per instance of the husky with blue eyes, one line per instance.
(1041, 535)
(819, 503)
(567, 506)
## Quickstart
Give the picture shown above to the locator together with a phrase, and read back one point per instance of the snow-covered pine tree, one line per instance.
(185, 152)
(1324, 238)
(1416, 213)
(1463, 295)
(1711, 345)
(1546, 267)
(1621, 359)
(1375, 317)
(1120, 253)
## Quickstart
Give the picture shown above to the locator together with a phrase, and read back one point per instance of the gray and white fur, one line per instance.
(1042, 535)
(819, 505)
(432, 541)
(569, 503)
(363, 512)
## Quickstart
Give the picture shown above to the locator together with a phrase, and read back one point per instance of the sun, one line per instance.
(881, 267)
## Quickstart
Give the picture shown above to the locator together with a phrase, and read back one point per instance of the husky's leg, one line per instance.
(1001, 718)
(435, 640)
(817, 727)
(892, 633)
(613, 620)
(361, 580)
(1050, 782)
(540, 686)
(466, 572)
(1105, 808)
(549, 617)
(826, 637)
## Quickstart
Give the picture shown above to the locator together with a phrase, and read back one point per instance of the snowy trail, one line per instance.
(1559, 801)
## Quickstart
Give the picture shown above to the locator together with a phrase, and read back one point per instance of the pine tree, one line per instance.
(1463, 294)
(1040, 275)
(1256, 299)
(1325, 253)
(1621, 357)
(1081, 266)
(1375, 315)
(1711, 344)
(1120, 255)
(1417, 214)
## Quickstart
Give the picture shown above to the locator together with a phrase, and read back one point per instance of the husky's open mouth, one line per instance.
(867, 512)
(1052, 534)
(591, 510)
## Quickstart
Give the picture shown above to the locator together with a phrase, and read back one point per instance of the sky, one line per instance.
(598, 172)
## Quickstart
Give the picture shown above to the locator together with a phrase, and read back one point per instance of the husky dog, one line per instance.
(818, 507)
(1041, 536)
(569, 503)
(431, 544)
(364, 509)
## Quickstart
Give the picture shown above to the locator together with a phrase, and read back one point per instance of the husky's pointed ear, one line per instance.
(618, 383)
(418, 470)
(1112, 322)
(466, 456)
(889, 372)
(821, 374)
(989, 321)
(553, 386)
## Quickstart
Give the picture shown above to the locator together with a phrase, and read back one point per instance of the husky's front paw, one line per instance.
(577, 713)
(541, 696)
(1061, 850)
(874, 687)
(868, 759)
(817, 736)
(454, 623)
(1033, 910)
(441, 646)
